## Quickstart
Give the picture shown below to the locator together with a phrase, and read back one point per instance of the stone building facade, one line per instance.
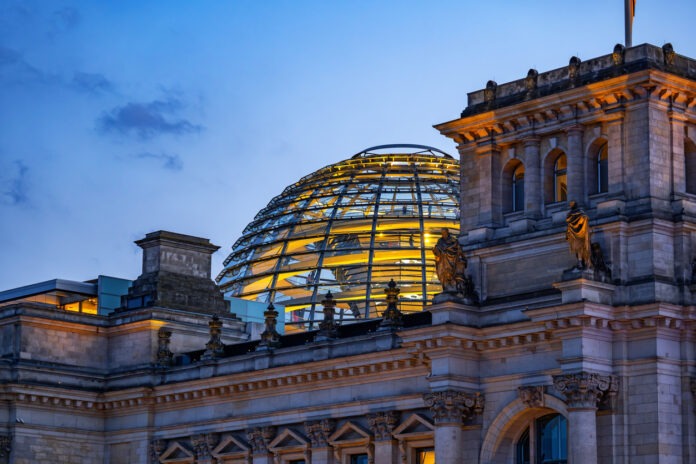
(553, 362)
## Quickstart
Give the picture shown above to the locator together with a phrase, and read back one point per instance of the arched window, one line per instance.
(560, 178)
(690, 165)
(517, 190)
(602, 169)
(545, 441)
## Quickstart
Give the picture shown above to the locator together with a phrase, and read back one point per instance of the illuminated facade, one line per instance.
(349, 228)
(551, 364)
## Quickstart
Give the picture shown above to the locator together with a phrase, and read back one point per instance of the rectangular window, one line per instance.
(425, 456)
(358, 459)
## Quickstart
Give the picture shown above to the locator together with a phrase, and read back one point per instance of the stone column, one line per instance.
(450, 409)
(575, 173)
(677, 172)
(259, 438)
(318, 433)
(532, 177)
(583, 391)
(490, 207)
(382, 425)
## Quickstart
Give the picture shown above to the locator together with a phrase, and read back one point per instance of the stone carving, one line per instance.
(489, 91)
(164, 355)
(530, 82)
(202, 444)
(587, 390)
(319, 432)
(259, 438)
(454, 407)
(578, 235)
(449, 261)
(602, 272)
(157, 447)
(392, 316)
(573, 70)
(5, 446)
(214, 348)
(382, 424)
(668, 53)
(617, 55)
(532, 396)
(270, 338)
(327, 327)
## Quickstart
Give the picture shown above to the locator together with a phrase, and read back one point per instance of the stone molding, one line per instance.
(586, 390)
(382, 424)
(532, 396)
(259, 438)
(453, 407)
(319, 432)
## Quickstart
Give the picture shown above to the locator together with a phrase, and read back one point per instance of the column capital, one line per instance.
(454, 407)
(259, 438)
(586, 390)
(319, 432)
(382, 424)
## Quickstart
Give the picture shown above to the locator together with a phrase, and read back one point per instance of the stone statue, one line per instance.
(578, 235)
(450, 262)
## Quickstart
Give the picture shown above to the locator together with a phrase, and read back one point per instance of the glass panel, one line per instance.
(522, 449)
(552, 439)
(560, 179)
(425, 456)
(358, 459)
(518, 189)
(602, 170)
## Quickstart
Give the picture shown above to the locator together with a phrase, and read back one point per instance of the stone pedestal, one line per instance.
(454, 310)
(580, 287)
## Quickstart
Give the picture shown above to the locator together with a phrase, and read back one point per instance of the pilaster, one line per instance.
(575, 172)
(451, 410)
(382, 426)
(490, 202)
(532, 177)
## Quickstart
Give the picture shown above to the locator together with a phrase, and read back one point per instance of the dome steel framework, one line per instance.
(349, 228)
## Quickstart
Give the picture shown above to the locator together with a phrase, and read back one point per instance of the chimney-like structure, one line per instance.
(176, 275)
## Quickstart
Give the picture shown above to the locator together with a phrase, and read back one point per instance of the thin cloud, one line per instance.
(16, 188)
(169, 161)
(147, 120)
(91, 83)
(14, 69)
(64, 19)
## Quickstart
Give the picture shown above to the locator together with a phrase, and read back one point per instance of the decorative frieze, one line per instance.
(382, 424)
(454, 407)
(319, 432)
(532, 396)
(587, 390)
(259, 438)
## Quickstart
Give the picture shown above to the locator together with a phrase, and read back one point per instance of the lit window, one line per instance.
(690, 165)
(603, 170)
(425, 456)
(560, 178)
(547, 436)
(518, 188)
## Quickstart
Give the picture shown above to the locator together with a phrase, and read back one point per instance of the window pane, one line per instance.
(425, 456)
(358, 459)
(518, 189)
(552, 439)
(602, 170)
(522, 449)
(560, 179)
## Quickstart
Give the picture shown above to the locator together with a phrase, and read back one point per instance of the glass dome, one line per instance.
(349, 228)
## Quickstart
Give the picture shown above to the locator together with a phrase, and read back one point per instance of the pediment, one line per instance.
(288, 439)
(176, 454)
(349, 433)
(414, 425)
(230, 446)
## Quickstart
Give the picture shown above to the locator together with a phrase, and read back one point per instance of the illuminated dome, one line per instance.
(349, 228)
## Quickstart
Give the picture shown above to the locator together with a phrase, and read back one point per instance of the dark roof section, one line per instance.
(621, 61)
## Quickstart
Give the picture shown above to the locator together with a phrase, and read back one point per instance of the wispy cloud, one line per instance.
(64, 19)
(169, 161)
(91, 83)
(14, 69)
(147, 120)
(15, 191)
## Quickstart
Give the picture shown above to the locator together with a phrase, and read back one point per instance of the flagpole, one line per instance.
(628, 14)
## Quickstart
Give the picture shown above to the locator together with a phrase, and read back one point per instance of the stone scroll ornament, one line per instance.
(587, 390)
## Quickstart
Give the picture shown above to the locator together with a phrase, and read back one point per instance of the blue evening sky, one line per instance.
(125, 117)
